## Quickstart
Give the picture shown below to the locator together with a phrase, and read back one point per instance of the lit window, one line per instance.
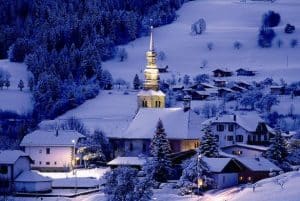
(249, 178)
(241, 178)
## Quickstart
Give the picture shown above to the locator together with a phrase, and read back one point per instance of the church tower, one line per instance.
(151, 96)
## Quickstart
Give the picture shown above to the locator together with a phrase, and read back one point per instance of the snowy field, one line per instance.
(227, 21)
(12, 98)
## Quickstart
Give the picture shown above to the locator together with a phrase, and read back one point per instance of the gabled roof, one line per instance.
(258, 164)
(138, 161)
(9, 157)
(177, 123)
(216, 164)
(248, 121)
(222, 70)
(31, 176)
(51, 138)
(150, 93)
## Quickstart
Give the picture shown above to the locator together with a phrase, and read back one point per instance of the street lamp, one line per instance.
(73, 157)
(199, 179)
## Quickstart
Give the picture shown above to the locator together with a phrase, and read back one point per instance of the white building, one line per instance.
(225, 171)
(12, 164)
(243, 129)
(52, 150)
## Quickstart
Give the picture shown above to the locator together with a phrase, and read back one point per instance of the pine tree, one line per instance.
(21, 85)
(209, 145)
(278, 150)
(159, 167)
(30, 83)
(136, 82)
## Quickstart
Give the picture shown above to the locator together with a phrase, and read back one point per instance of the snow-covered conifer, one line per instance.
(209, 145)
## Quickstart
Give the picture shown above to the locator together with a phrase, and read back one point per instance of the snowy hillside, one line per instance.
(268, 189)
(12, 98)
(227, 21)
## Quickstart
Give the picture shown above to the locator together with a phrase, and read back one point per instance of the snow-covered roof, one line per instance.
(216, 164)
(207, 85)
(150, 93)
(276, 87)
(258, 164)
(31, 176)
(11, 156)
(177, 123)
(139, 161)
(248, 121)
(248, 146)
(51, 138)
(204, 93)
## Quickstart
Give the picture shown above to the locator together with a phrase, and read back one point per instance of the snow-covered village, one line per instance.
(139, 100)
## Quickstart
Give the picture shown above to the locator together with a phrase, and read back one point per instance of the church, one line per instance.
(182, 125)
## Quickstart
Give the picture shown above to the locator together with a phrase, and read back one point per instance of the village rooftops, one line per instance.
(128, 161)
(216, 164)
(31, 176)
(51, 138)
(9, 157)
(178, 124)
(248, 121)
(258, 164)
(151, 93)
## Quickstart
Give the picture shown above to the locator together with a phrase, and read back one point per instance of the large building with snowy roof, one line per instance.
(182, 125)
(51, 149)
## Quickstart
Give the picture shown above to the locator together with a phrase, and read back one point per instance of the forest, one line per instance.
(63, 43)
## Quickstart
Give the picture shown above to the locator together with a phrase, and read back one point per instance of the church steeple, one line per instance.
(151, 96)
(151, 72)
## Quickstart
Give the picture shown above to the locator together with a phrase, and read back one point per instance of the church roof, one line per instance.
(151, 93)
(177, 123)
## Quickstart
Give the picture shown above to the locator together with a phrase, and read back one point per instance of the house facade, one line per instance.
(52, 149)
(242, 129)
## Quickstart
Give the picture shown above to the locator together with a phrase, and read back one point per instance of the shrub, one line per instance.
(271, 19)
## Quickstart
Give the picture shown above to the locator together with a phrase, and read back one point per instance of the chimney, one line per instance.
(186, 103)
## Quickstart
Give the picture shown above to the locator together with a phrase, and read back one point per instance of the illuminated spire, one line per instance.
(151, 46)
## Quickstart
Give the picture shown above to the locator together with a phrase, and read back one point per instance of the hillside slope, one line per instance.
(227, 21)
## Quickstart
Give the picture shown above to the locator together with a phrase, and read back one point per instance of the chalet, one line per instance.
(198, 95)
(163, 70)
(277, 90)
(237, 88)
(52, 149)
(182, 127)
(243, 84)
(12, 164)
(244, 72)
(222, 73)
(255, 168)
(244, 129)
(225, 171)
(224, 91)
(133, 161)
(244, 150)
(220, 83)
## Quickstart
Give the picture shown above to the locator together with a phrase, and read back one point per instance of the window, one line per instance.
(40, 162)
(40, 151)
(47, 150)
(3, 169)
(33, 162)
(230, 127)
(229, 138)
(217, 138)
(237, 152)
(220, 127)
(239, 138)
(157, 103)
(144, 147)
(130, 146)
(55, 163)
(47, 163)
(144, 104)
(249, 138)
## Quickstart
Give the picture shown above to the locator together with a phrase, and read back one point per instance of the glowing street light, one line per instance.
(73, 158)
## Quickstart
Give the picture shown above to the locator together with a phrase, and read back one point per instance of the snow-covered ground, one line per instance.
(12, 98)
(227, 21)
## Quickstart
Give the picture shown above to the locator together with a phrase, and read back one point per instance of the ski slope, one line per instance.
(227, 21)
